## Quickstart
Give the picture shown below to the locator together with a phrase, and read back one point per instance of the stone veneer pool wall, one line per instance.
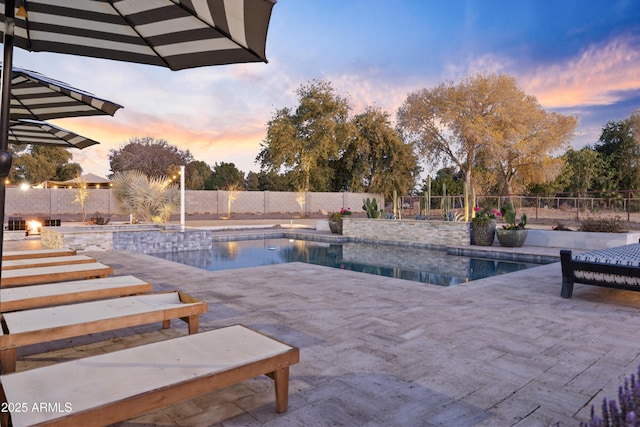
(429, 234)
(145, 239)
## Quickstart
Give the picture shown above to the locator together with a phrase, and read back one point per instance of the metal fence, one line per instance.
(544, 207)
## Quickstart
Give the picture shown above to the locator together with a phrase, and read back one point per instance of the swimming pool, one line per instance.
(419, 265)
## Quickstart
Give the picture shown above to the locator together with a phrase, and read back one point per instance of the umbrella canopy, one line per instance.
(36, 96)
(37, 132)
(177, 34)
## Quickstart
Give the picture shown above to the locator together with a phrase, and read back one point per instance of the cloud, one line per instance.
(600, 75)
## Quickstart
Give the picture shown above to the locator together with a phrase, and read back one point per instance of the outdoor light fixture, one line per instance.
(24, 186)
(33, 227)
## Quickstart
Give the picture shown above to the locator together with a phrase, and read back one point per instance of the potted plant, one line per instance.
(335, 220)
(483, 226)
(513, 233)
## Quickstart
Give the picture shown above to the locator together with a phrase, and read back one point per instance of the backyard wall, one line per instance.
(435, 234)
(50, 202)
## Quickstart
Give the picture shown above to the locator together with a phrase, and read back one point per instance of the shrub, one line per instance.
(603, 225)
(621, 413)
(148, 198)
(560, 227)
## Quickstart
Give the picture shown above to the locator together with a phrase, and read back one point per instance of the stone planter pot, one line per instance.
(511, 238)
(335, 227)
(483, 234)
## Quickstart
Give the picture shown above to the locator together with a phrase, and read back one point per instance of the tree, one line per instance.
(525, 139)
(272, 181)
(68, 171)
(304, 141)
(377, 160)
(39, 163)
(448, 176)
(619, 144)
(226, 175)
(482, 117)
(582, 170)
(197, 175)
(153, 157)
(252, 181)
(82, 194)
(233, 191)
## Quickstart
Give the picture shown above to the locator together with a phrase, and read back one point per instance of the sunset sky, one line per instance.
(576, 56)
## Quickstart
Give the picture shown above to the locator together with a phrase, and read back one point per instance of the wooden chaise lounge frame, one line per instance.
(617, 268)
(56, 273)
(40, 325)
(112, 387)
(37, 253)
(15, 264)
(35, 296)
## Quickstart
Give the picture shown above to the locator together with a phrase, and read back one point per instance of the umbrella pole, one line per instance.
(5, 155)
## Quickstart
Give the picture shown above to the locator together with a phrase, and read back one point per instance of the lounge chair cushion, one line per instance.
(34, 296)
(112, 386)
(60, 316)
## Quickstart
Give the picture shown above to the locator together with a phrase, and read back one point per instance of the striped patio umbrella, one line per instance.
(177, 34)
(38, 97)
(37, 132)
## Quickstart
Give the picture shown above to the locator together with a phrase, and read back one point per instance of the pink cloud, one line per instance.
(597, 76)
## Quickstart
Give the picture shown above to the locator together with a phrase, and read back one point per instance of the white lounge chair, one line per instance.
(37, 253)
(56, 273)
(40, 325)
(117, 386)
(35, 296)
(46, 262)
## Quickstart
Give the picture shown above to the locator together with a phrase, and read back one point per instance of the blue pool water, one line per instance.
(420, 265)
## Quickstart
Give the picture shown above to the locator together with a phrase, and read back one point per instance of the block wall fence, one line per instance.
(50, 202)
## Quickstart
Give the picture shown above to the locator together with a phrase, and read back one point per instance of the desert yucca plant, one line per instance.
(147, 199)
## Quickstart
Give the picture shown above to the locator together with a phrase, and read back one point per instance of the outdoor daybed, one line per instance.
(117, 386)
(34, 296)
(617, 267)
(26, 327)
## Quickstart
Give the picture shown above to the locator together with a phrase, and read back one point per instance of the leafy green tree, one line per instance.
(450, 177)
(39, 163)
(227, 175)
(304, 141)
(272, 181)
(619, 145)
(582, 170)
(197, 174)
(252, 181)
(377, 159)
(153, 157)
(68, 171)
